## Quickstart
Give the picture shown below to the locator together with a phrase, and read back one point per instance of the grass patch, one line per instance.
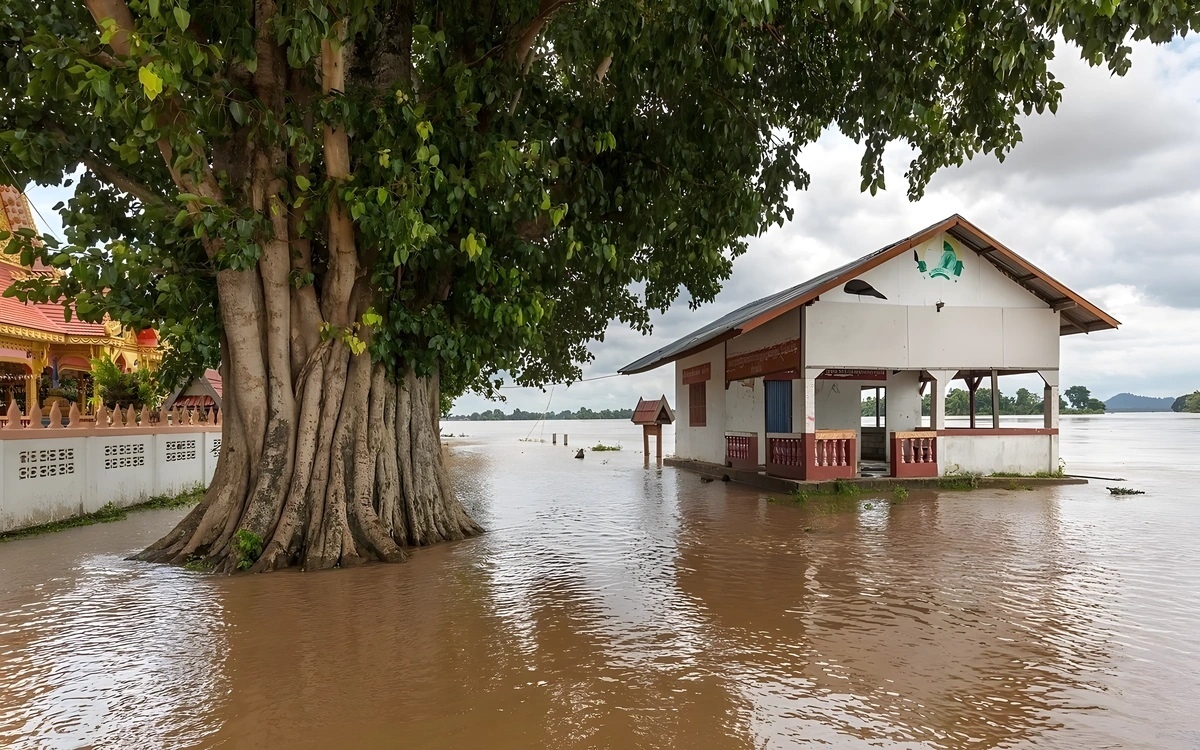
(843, 498)
(1124, 491)
(899, 494)
(1057, 474)
(603, 447)
(963, 481)
(107, 514)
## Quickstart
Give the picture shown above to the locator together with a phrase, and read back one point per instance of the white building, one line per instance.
(778, 383)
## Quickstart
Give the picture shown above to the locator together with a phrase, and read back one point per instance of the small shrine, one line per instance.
(652, 415)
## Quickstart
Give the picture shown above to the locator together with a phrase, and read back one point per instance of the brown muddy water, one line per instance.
(610, 606)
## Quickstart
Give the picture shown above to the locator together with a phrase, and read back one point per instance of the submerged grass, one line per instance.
(843, 498)
(108, 513)
(603, 447)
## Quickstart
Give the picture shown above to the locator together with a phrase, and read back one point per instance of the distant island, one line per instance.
(1132, 402)
(519, 415)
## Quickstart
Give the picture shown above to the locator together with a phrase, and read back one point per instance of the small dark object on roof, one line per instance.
(862, 288)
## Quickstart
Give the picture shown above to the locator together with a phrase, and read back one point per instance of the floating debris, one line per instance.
(1124, 491)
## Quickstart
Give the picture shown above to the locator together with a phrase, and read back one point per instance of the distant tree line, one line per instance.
(495, 415)
(1075, 400)
(1189, 403)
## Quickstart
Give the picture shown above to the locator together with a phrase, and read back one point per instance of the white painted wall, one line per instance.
(702, 443)
(57, 475)
(746, 411)
(987, 320)
(852, 334)
(985, 454)
(979, 285)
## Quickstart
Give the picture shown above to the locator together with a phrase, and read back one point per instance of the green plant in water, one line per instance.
(899, 493)
(959, 481)
(603, 447)
(1124, 491)
(198, 565)
(845, 489)
(248, 547)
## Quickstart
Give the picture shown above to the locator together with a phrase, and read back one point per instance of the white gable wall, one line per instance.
(987, 320)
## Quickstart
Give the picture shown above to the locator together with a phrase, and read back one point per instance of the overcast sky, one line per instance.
(1105, 196)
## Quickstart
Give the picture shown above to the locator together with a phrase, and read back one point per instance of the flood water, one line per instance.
(611, 606)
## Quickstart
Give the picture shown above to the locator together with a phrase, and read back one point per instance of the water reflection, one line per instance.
(105, 649)
(615, 606)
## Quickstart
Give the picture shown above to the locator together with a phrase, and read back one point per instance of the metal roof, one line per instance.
(1077, 314)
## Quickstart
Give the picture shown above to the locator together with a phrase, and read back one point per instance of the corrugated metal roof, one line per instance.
(1078, 315)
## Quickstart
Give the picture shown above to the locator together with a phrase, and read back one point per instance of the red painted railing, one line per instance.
(914, 454)
(825, 454)
(741, 450)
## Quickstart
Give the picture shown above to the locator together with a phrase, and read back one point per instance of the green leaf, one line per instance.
(152, 84)
(182, 17)
(237, 110)
(154, 8)
(303, 182)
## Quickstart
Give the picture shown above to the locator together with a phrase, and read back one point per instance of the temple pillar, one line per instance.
(937, 398)
(1050, 398)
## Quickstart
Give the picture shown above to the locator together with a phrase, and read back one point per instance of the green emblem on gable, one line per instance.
(948, 265)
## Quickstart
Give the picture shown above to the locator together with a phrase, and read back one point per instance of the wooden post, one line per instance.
(564, 440)
(972, 386)
(554, 438)
(646, 441)
(658, 445)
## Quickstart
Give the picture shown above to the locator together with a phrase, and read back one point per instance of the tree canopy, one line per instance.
(519, 173)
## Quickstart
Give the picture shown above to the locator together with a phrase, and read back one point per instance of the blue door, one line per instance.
(779, 405)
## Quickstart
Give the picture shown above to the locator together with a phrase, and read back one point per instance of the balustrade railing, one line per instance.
(825, 454)
(12, 418)
(741, 450)
(914, 454)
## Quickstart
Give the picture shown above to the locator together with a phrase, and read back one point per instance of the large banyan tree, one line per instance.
(353, 204)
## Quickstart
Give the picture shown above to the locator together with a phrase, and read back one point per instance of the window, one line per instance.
(697, 405)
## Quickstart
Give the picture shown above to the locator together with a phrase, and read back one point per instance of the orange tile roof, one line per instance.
(47, 316)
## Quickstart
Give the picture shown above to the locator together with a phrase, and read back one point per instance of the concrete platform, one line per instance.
(760, 480)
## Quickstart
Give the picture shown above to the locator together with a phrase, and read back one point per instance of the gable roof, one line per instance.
(1077, 314)
(653, 412)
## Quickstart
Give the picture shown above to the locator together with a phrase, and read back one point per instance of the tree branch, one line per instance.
(530, 34)
(118, 12)
(120, 180)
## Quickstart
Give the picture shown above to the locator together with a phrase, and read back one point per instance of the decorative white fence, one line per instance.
(58, 471)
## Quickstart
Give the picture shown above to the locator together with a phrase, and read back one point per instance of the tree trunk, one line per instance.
(354, 473)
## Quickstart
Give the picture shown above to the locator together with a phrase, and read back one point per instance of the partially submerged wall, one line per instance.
(1009, 452)
(50, 475)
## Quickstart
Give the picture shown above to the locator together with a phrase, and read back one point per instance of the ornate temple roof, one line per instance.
(47, 318)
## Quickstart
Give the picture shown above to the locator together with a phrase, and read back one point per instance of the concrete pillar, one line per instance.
(804, 401)
(995, 400)
(937, 398)
(903, 408)
(1050, 399)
